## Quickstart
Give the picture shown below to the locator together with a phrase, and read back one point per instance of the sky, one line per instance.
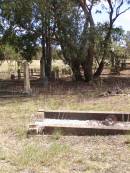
(123, 20)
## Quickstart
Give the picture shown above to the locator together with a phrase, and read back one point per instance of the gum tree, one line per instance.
(114, 10)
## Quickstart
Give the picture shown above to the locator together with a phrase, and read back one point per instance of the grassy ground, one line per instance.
(58, 154)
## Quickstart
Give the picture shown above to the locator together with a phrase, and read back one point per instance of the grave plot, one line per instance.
(80, 123)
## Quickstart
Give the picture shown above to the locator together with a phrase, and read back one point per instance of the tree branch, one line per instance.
(120, 14)
(91, 6)
(111, 11)
(118, 8)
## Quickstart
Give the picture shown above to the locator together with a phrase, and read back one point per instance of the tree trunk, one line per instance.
(107, 41)
(99, 70)
(88, 75)
(42, 68)
(48, 55)
(88, 66)
(42, 61)
(76, 71)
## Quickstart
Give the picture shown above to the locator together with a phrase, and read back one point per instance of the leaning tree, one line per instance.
(114, 9)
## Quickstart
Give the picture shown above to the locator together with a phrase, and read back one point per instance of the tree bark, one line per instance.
(99, 70)
(107, 41)
(75, 66)
(88, 66)
(48, 63)
(42, 61)
(48, 54)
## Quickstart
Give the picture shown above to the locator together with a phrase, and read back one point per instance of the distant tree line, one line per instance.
(64, 29)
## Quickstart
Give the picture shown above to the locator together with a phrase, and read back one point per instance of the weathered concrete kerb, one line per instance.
(80, 122)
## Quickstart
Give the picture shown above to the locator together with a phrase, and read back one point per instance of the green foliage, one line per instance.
(27, 25)
(7, 52)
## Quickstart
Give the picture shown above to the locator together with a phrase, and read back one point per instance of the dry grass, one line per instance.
(58, 154)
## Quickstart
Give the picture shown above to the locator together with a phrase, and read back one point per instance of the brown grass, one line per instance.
(58, 154)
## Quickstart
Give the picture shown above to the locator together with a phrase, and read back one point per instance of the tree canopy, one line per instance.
(29, 24)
